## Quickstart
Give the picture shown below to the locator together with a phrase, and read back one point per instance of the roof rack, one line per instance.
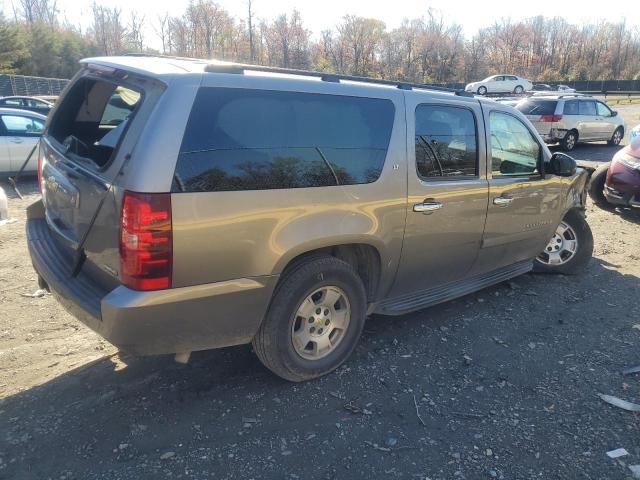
(170, 57)
(239, 68)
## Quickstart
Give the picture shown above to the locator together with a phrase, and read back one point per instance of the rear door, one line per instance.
(22, 135)
(447, 193)
(522, 203)
(5, 160)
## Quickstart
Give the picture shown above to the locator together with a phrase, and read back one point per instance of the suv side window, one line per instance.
(514, 150)
(603, 110)
(571, 107)
(446, 143)
(241, 139)
(587, 107)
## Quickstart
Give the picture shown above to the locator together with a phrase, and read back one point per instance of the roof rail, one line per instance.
(240, 68)
(170, 57)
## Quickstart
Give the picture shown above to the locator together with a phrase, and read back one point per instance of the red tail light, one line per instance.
(146, 241)
(551, 118)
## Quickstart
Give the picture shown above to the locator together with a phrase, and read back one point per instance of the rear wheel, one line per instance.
(596, 185)
(616, 138)
(570, 248)
(518, 90)
(482, 90)
(569, 141)
(314, 321)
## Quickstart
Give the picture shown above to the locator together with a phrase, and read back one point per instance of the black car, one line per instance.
(542, 87)
(32, 104)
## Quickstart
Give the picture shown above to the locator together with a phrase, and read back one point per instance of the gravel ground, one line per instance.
(499, 384)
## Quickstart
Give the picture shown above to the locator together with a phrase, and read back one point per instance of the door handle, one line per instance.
(16, 140)
(502, 201)
(427, 207)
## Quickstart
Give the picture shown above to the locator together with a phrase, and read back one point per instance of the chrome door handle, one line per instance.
(502, 201)
(16, 140)
(427, 207)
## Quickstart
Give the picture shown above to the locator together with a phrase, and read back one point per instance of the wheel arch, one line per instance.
(364, 257)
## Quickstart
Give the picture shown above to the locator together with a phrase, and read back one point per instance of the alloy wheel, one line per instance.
(320, 323)
(561, 248)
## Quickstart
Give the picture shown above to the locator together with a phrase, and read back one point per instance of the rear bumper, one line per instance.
(146, 323)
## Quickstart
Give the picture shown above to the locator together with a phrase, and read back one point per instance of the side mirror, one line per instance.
(562, 165)
(614, 113)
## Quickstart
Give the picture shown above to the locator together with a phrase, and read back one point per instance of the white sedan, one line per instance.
(19, 131)
(500, 84)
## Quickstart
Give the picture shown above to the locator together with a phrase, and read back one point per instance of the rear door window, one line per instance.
(537, 107)
(92, 118)
(446, 144)
(240, 139)
(571, 107)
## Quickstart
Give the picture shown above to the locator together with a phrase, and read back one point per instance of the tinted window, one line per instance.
(22, 126)
(445, 141)
(587, 108)
(571, 107)
(514, 151)
(238, 139)
(537, 107)
(603, 110)
(14, 102)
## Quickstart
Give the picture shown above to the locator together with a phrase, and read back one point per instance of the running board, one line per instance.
(433, 296)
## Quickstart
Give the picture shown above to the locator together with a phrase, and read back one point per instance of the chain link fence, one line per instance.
(30, 86)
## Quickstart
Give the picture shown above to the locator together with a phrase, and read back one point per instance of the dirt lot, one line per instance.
(499, 384)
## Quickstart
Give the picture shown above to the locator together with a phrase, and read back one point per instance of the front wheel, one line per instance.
(616, 138)
(570, 248)
(596, 185)
(314, 321)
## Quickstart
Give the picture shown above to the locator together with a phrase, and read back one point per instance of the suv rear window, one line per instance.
(537, 107)
(240, 139)
(91, 119)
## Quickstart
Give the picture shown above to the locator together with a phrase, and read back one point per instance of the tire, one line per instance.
(482, 90)
(596, 186)
(277, 343)
(578, 260)
(518, 90)
(617, 136)
(569, 141)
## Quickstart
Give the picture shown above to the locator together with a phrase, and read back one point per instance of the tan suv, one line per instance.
(189, 205)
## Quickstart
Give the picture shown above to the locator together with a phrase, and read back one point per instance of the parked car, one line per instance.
(19, 131)
(618, 182)
(543, 88)
(228, 208)
(32, 104)
(634, 133)
(571, 118)
(500, 84)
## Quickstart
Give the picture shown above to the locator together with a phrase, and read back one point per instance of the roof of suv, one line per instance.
(165, 67)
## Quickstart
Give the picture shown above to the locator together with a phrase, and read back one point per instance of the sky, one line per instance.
(319, 15)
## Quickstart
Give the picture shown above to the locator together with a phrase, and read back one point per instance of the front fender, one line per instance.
(576, 196)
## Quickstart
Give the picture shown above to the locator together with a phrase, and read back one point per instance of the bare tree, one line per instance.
(250, 27)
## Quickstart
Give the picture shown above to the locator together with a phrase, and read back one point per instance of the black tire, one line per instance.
(518, 90)
(482, 90)
(569, 141)
(577, 263)
(596, 185)
(617, 137)
(273, 343)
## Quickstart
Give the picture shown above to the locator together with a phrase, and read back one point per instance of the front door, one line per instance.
(606, 125)
(22, 133)
(523, 205)
(447, 192)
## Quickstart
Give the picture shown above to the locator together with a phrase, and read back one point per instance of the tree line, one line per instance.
(34, 40)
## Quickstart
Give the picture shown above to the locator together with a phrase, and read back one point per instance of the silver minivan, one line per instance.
(222, 204)
(571, 118)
